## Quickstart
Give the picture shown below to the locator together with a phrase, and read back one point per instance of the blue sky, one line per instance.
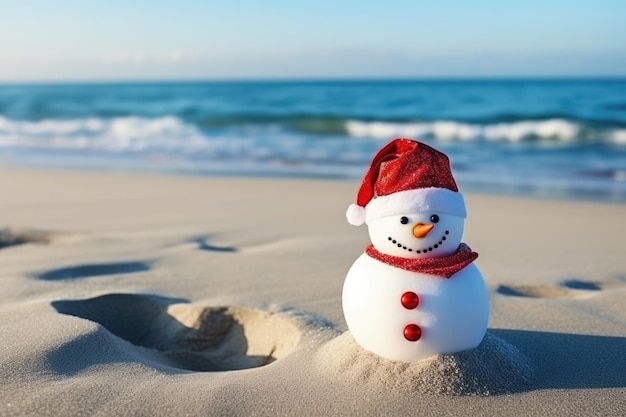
(191, 39)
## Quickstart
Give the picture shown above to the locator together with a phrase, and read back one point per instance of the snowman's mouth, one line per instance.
(424, 250)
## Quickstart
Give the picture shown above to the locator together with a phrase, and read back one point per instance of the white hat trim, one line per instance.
(436, 200)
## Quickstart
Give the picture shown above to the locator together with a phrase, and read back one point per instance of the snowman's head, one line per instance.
(417, 235)
(410, 202)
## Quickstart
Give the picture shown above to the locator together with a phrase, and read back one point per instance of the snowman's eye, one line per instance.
(404, 220)
(434, 218)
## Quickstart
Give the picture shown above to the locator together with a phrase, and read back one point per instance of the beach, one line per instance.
(154, 294)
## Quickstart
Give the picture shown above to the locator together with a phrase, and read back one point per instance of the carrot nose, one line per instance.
(420, 230)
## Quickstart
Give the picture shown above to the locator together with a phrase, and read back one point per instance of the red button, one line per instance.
(412, 332)
(409, 300)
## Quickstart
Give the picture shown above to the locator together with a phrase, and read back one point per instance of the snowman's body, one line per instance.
(452, 313)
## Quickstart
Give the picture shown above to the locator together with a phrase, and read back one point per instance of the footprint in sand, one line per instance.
(573, 288)
(204, 245)
(201, 243)
(93, 270)
(188, 336)
(13, 237)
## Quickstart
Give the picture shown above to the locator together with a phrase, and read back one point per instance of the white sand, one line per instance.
(156, 295)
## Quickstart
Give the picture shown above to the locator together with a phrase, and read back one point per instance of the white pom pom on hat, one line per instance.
(406, 176)
(355, 214)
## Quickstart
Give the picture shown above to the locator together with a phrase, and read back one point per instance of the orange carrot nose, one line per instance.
(420, 230)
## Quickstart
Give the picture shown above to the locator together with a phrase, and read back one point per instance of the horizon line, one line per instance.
(252, 80)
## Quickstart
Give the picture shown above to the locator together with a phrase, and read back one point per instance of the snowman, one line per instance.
(415, 292)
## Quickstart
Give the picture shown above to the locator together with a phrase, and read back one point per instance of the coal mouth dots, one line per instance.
(428, 249)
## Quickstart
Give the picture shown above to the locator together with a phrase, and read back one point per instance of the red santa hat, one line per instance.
(406, 177)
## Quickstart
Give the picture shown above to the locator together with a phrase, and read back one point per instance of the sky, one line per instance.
(76, 40)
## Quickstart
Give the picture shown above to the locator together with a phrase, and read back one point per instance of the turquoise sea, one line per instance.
(554, 138)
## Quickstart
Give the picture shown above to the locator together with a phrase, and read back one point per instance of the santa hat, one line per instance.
(406, 177)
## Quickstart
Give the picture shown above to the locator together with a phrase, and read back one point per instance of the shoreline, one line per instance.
(521, 191)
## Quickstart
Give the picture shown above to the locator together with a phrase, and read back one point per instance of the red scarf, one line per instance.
(443, 267)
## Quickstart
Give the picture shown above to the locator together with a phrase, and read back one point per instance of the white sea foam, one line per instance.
(557, 129)
(618, 137)
(171, 134)
(117, 134)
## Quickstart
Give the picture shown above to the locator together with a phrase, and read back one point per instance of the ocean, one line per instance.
(550, 138)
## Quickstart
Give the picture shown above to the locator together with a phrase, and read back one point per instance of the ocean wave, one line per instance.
(123, 133)
(170, 135)
(135, 133)
(510, 129)
(552, 129)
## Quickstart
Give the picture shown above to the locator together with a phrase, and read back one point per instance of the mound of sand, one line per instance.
(494, 367)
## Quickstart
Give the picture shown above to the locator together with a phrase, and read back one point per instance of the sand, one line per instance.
(130, 294)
